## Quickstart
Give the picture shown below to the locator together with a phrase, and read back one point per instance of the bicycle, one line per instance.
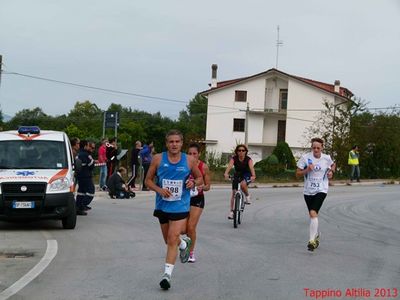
(238, 205)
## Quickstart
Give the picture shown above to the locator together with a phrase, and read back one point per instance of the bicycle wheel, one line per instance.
(243, 204)
(236, 210)
(241, 210)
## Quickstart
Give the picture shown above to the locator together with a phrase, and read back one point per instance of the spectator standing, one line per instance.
(353, 161)
(135, 163)
(146, 154)
(86, 190)
(102, 157)
(75, 144)
(111, 154)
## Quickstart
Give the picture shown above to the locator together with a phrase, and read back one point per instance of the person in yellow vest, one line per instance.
(354, 163)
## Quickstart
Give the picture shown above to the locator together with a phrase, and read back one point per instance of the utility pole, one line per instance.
(1, 70)
(279, 43)
(246, 126)
(333, 125)
(104, 124)
(1, 67)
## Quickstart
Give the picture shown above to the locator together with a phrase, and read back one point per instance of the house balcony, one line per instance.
(269, 111)
(255, 144)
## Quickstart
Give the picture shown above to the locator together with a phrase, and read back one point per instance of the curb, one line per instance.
(288, 185)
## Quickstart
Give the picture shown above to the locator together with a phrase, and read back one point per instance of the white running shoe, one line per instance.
(192, 258)
(184, 253)
(247, 200)
(230, 215)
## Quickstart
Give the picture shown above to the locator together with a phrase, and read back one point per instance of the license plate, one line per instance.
(23, 204)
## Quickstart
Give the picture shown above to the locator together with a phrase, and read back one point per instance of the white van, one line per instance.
(36, 176)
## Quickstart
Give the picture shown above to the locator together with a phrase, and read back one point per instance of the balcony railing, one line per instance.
(266, 111)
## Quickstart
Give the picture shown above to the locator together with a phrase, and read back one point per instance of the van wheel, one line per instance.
(69, 221)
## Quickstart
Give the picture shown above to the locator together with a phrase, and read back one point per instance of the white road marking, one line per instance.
(51, 252)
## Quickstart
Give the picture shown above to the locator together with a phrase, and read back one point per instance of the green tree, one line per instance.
(85, 120)
(73, 131)
(88, 118)
(84, 110)
(377, 137)
(333, 126)
(192, 121)
(34, 116)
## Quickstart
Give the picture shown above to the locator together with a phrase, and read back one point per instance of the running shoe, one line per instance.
(247, 201)
(184, 253)
(317, 240)
(165, 282)
(312, 245)
(192, 258)
(230, 216)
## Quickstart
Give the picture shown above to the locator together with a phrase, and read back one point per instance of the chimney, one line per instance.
(214, 68)
(337, 86)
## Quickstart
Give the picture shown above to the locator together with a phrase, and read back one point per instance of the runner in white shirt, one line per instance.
(317, 168)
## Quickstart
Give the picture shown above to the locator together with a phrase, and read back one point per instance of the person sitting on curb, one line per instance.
(117, 188)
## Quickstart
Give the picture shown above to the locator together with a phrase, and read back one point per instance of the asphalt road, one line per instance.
(117, 252)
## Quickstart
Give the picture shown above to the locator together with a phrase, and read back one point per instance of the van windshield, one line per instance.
(33, 154)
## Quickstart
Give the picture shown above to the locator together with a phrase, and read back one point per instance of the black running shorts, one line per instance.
(314, 202)
(165, 217)
(237, 179)
(197, 201)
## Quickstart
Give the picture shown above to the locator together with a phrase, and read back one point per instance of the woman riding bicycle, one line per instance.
(244, 173)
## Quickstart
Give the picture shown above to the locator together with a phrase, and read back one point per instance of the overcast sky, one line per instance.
(165, 48)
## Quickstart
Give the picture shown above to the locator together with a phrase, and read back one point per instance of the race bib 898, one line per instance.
(175, 187)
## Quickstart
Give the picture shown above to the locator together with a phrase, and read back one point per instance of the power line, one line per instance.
(95, 88)
(106, 90)
(395, 107)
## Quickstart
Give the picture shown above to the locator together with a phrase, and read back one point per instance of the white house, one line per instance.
(263, 109)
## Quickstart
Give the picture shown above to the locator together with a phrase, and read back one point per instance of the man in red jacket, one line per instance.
(102, 158)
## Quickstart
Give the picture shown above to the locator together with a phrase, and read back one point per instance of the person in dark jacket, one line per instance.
(135, 163)
(111, 154)
(146, 154)
(117, 188)
(84, 175)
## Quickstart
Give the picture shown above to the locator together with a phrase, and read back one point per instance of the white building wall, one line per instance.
(220, 120)
(221, 111)
(273, 86)
(270, 133)
(256, 128)
(304, 106)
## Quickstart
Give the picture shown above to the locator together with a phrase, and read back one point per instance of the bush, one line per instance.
(284, 155)
(272, 166)
(213, 160)
(280, 160)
